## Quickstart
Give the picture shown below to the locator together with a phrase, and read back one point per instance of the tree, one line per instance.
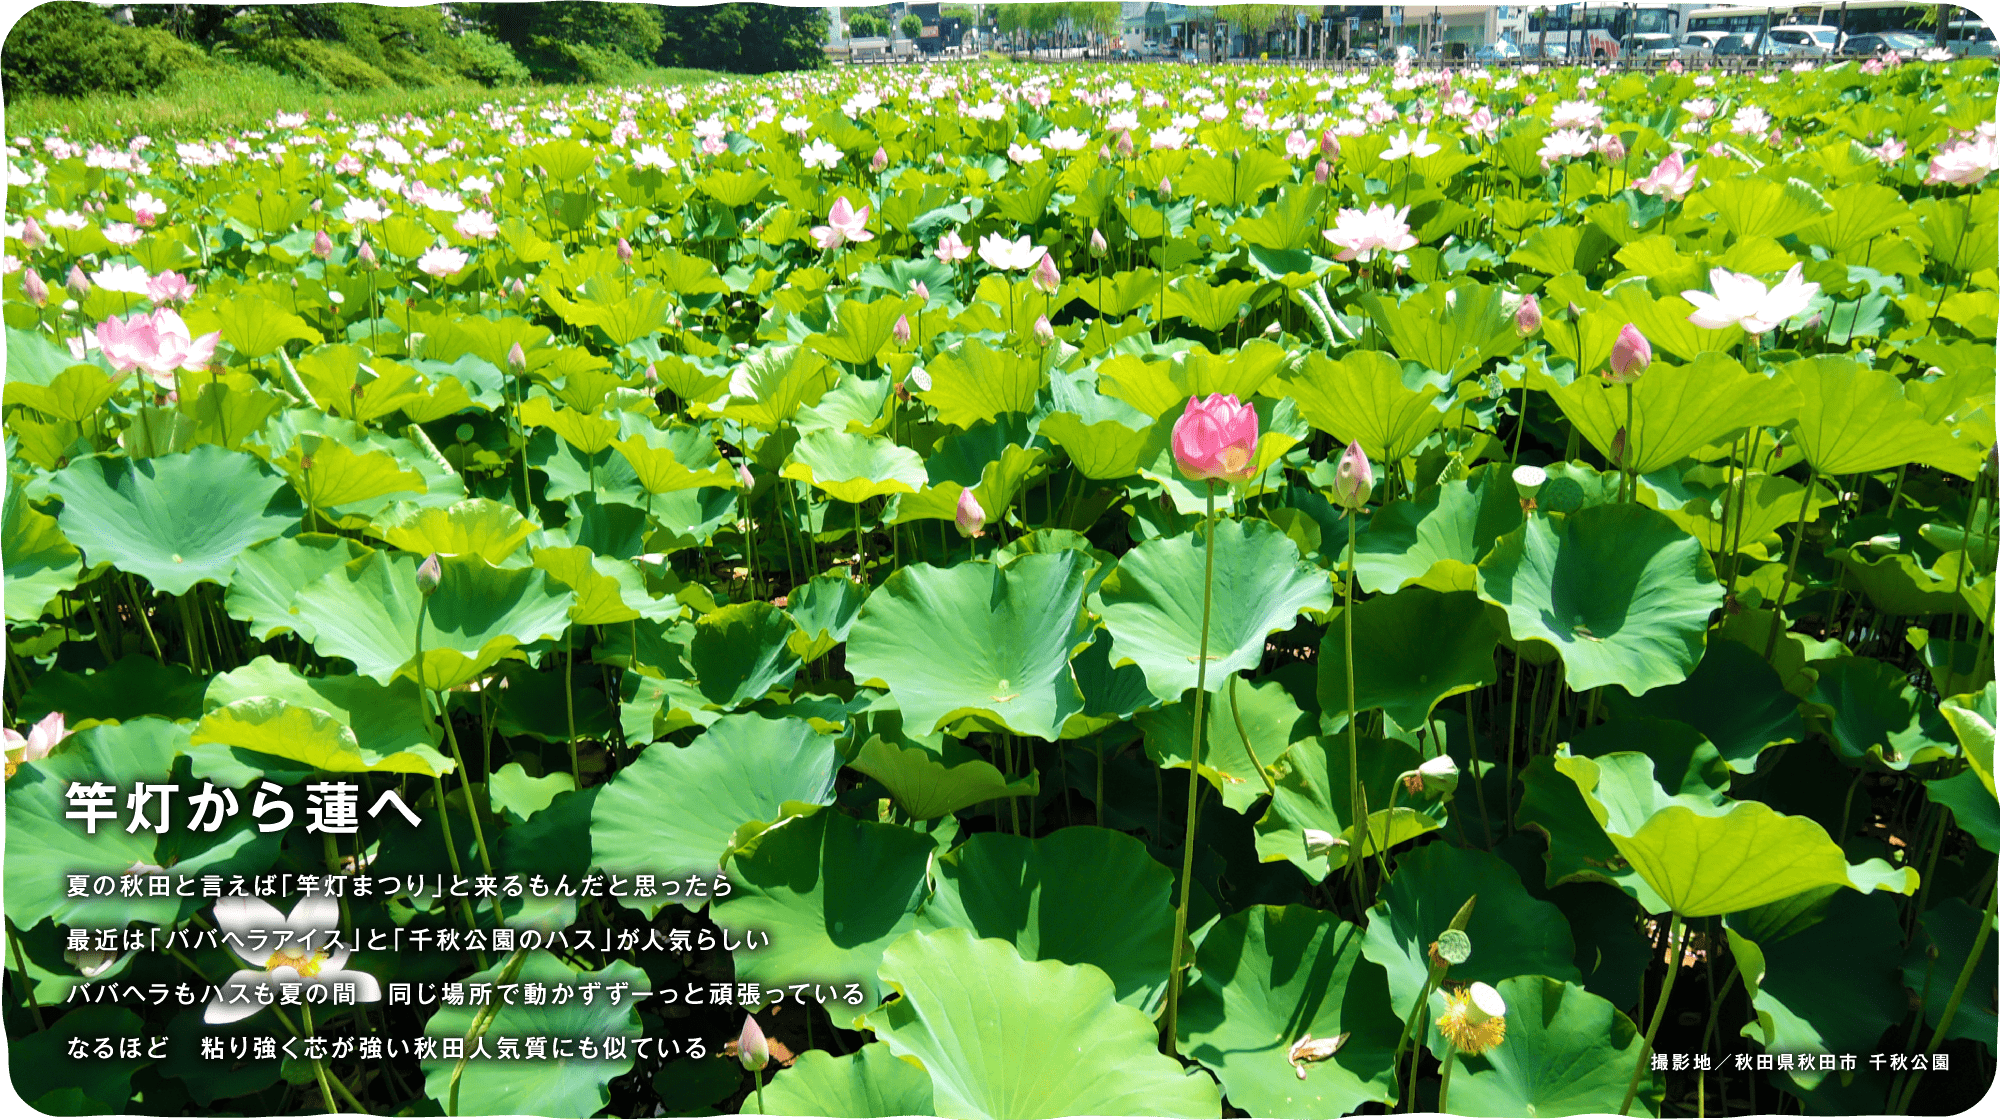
(742, 38)
(863, 25)
(911, 26)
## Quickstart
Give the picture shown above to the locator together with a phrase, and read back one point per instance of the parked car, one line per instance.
(1553, 51)
(1701, 43)
(1403, 52)
(1648, 46)
(1882, 42)
(1970, 37)
(1364, 54)
(1500, 50)
(1741, 44)
(1809, 38)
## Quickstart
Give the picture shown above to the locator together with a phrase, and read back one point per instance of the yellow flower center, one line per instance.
(1234, 459)
(307, 962)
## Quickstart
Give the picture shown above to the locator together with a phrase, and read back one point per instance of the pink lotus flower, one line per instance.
(1354, 479)
(322, 246)
(843, 224)
(34, 287)
(169, 287)
(121, 234)
(1611, 148)
(36, 744)
(1889, 151)
(1528, 319)
(951, 250)
(1359, 234)
(1630, 356)
(476, 225)
(441, 262)
(1216, 439)
(901, 331)
(971, 517)
(1964, 163)
(1298, 145)
(1045, 334)
(1670, 177)
(1046, 278)
(158, 343)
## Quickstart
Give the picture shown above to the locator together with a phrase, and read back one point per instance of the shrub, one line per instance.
(485, 60)
(327, 65)
(70, 49)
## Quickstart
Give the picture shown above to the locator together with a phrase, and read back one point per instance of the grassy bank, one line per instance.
(246, 96)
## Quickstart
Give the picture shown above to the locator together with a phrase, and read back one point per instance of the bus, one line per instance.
(1593, 31)
(1858, 17)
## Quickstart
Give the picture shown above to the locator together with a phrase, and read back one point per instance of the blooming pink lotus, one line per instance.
(170, 287)
(1670, 177)
(1216, 438)
(843, 224)
(37, 743)
(951, 250)
(1965, 163)
(157, 342)
(1359, 234)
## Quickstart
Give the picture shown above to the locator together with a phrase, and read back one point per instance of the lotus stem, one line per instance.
(569, 703)
(27, 982)
(1957, 994)
(1444, 1086)
(1674, 947)
(1791, 565)
(1170, 1041)
(1357, 800)
(437, 782)
(319, 1067)
(1236, 711)
(465, 788)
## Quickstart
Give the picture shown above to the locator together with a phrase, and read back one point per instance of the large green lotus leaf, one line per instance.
(1437, 538)
(772, 383)
(175, 519)
(1971, 718)
(1272, 976)
(1156, 387)
(1829, 989)
(1110, 695)
(1766, 503)
(741, 651)
(860, 330)
(1451, 330)
(1412, 650)
(1010, 1039)
(50, 1079)
(972, 383)
(870, 1082)
(340, 724)
(1080, 895)
(1579, 851)
(1703, 859)
(833, 892)
(1363, 398)
(132, 686)
(475, 527)
(40, 561)
(1678, 760)
(665, 462)
(1513, 933)
(1794, 654)
(1620, 591)
(1950, 927)
(1101, 449)
(1268, 716)
(1311, 781)
(1733, 697)
(607, 590)
(977, 638)
(1676, 410)
(740, 771)
(854, 467)
(573, 1086)
(926, 787)
(1567, 1052)
(367, 611)
(264, 594)
(1854, 418)
(824, 610)
(1152, 602)
(340, 476)
(1899, 584)
(1875, 716)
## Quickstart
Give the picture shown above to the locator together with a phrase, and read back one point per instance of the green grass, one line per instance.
(245, 96)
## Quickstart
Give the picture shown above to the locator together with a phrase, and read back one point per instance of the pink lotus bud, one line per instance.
(322, 245)
(1611, 148)
(971, 515)
(1166, 188)
(901, 331)
(1528, 319)
(752, 1049)
(1329, 145)
(429, 574)
(367, 256)
(1125, 144)
(1355, 479)
(517, 288)
(37, 291)
(1044, 333)
(1630, 355)
(78, 286)
(624, 251)
(652, 376)
(1216, 438)
(517, 359)
(921, 290)
(880, 161)
(1098, 246)
(743, 476)
(32, 235)
(1046, 277)
(1322, 172)
(1104, 153)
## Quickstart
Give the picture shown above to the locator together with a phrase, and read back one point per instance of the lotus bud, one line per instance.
(77, 284)
(743, 476)
(517, 359)
(1322, 172)
(32, 235)
(921, 290)
(1216, 438)
(880, 161)
(1046, 277)
(624, 251)
(752, 1049)
(1166, 187)
(1354, 480)
(901, 331)
(429, 574)
(1321, 843)
(971, 516)
(322, 245)
(37, 291)
(367, 256)
(652, 377)
(1439, 775)
(1611, 148)
(517, 288)
(1104, 153)
(1528, 319)
(1098, 246)
(1044, 333)
(1630, 355)
(1329, 144)
(1125, 144)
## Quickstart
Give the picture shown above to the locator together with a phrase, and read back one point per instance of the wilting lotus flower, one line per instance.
(1359, 234)
(1216, 438)
(1528, 319)
(300, 952)
(971, 516)
(1743, 301)
(1670, 177)
(441, 262)
(1474, 1020)
(1046, 278)
(37, 743)
(843, 224)
(1630, 356)
(158, 343)
(951, 250)
(1354, 480)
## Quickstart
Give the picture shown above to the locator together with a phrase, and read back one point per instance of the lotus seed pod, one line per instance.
(1454, 946)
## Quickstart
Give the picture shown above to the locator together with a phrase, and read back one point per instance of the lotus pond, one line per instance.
(1138, 591)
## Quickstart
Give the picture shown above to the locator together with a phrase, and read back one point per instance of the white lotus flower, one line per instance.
(1013, 256)
(1743, 301)
(281, 950)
